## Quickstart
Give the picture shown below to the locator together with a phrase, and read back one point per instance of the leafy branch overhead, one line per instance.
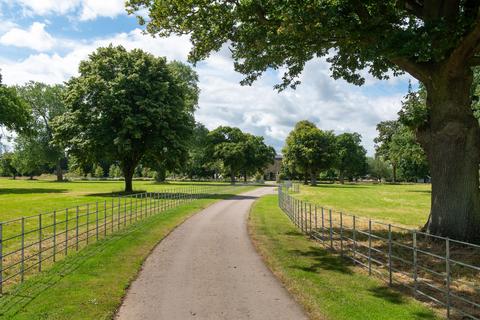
(396, 35)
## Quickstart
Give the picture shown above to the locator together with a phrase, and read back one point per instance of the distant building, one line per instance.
(273, 170)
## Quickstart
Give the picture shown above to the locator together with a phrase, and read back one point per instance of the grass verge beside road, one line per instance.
(327, 286)
(405, 204)
(92, 283)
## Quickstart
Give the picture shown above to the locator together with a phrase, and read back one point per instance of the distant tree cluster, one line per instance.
(310, 151)
(397, 145)
(128, 114)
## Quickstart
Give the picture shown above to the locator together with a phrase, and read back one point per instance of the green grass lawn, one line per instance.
(29, 197)
(322, 282)
(91, 284)
(406, 204)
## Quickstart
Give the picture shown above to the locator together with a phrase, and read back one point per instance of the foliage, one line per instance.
(29, 158)
(14, 112)
(396, 141)
(125, 106)
(198, 164)
(226, 145)
(46, 103)
(378, 169)
(98, 171)
(437, 42)
(351, 160)
(6, 165)
(237, 151)
(257, 155)
(114, 171)
(309, 150)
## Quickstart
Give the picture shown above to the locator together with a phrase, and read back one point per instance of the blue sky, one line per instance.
(44, 40)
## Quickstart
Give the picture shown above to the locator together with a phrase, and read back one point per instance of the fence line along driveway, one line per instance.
(208, 269)
(28, 244)
(441, 271)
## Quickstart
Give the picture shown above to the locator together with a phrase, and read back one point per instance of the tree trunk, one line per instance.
(128, 172)
(451, 139)
(59, 170)
(305, 179)
(245, 177)
(341, 177)
(313, 178)
(232, 177)
(161, 174)
(394, 172)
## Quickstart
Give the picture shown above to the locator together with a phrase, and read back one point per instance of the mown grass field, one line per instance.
(327, 286)
(406, 204)
(29, 197)
(91, 284)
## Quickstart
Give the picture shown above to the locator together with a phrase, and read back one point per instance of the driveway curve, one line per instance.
(207, 268)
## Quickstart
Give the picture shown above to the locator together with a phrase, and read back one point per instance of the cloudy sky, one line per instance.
(44, 40)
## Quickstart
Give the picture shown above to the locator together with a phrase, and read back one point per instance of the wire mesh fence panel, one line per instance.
(29, 244)
(441, 271)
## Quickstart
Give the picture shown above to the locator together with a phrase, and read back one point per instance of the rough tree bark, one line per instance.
(128, 172)
(451, 139)
(313, 178)
(59, 171)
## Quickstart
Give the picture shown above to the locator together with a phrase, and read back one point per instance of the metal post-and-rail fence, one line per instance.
(28, 244)
(441, 271)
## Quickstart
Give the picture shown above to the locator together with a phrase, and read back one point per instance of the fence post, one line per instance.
(341, 233)
(40, 242)
(88, 222)
(323, 226)
(76, 228)
(331, 228)
(118, 213)
(113, 214)
(131, 209)
(316, 227)
(369, 247)
(66, 232)
(1, 258)
(390, 280)
(141, 206)
(22, 266)
(310, 217)
(447, 271)
(124, 212)
(354, 222)
(105, 218)
(54, 236)
(414, 236)
(96, 221)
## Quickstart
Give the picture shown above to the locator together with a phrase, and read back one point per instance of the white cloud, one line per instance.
(92, 9)
(84, 9)
(43, 7)
(35, 38)
(332, 105)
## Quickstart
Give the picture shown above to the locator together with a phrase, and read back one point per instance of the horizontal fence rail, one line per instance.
(441, 271)
(29, 244)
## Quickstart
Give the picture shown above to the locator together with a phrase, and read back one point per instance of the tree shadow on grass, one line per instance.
(322, 260)
(339, 186)
(30, 190)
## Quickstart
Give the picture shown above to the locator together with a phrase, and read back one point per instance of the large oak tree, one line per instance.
(436, 41)
(125, 106)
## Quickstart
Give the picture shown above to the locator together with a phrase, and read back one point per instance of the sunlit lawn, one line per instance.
(28, 197)
(406, 204)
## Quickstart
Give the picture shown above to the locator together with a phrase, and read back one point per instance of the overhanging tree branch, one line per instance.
(469, 45)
